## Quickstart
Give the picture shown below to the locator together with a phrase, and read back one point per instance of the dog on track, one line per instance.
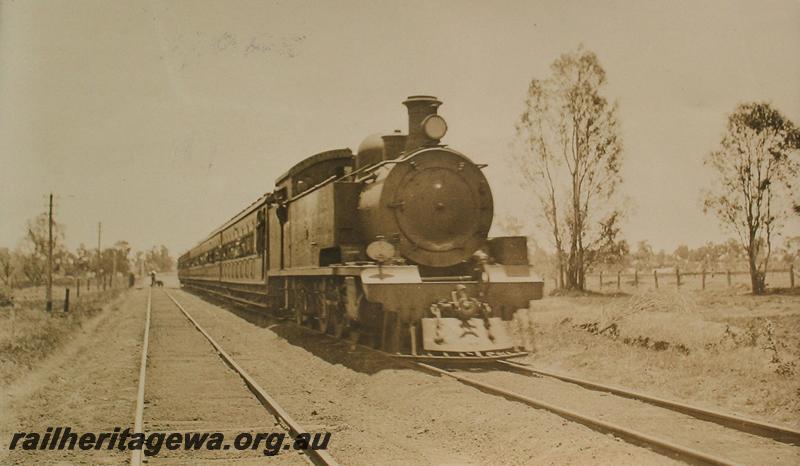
(159, 283)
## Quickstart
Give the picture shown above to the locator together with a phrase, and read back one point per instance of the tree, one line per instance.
(6, 267)
(115, 259)
(84, 258)
(610, 251)
(33, 250)
(158, 258)
(570, 158)
(643, 257)
(792, 247)
(755, 167)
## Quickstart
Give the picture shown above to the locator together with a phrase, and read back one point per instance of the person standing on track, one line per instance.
(152, 278)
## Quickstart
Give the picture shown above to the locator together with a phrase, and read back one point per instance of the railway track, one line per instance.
(189, 383)
(733, 439)
(751, 426)
(701, 437)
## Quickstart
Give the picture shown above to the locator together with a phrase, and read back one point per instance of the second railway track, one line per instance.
(189, 383)
(662, 428)
(733, 421)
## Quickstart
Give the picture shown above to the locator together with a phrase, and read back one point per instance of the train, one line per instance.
(388, 247)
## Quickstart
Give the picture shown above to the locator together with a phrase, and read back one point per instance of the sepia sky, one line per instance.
(162, 119)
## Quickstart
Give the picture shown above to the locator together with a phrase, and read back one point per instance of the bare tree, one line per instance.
(570, 158)
(755, 167)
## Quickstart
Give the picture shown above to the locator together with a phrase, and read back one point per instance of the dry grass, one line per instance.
(717, 348)
(28, 334)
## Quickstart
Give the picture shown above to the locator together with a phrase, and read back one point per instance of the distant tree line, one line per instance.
(644, 258)
(26, 265)
(711, 257)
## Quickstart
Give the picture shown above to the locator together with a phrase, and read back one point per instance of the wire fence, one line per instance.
(68, 291)
(677, 279)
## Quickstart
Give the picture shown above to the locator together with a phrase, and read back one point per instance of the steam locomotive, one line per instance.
(389, 245)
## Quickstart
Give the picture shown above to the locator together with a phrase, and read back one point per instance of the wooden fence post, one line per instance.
(704, 279)
(729, 278)
(636, 278)
(655, 277)
(78, 288)
(601, 279)
(66, 300)
(677, 277)
(618, 280)
(791, 275)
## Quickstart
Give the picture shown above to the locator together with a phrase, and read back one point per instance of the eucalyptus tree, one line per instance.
(570, 158)
(756, 166)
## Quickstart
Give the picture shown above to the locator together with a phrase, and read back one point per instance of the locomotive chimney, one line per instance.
(425, 127)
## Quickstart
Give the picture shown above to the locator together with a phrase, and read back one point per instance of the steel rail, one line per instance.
(136, 455)
(632, 436)
(228, 296)
(763, 429)
(318, 457)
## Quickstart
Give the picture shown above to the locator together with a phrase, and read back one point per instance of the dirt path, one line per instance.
(90, 386)
(383, 413)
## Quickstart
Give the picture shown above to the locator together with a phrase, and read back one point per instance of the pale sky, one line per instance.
(163, 119)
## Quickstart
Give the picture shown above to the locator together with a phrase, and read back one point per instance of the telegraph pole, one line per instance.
(99, 260)
(50, 256)
(114, 268)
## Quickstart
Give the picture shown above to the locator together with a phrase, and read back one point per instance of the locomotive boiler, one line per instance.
(388, 245)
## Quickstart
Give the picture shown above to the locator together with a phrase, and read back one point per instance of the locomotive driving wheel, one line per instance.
(300, 305)
(341, 323)
(325, 306)
(340, 320)
(323, 319)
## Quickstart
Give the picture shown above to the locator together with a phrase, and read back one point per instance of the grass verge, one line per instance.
(28, 334)
(723, 349)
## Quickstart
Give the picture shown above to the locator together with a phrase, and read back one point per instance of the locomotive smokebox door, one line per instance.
(436, 202)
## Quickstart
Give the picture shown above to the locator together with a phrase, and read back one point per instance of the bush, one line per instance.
(6, 294)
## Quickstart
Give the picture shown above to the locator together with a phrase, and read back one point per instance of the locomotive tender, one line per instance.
(390, 245)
